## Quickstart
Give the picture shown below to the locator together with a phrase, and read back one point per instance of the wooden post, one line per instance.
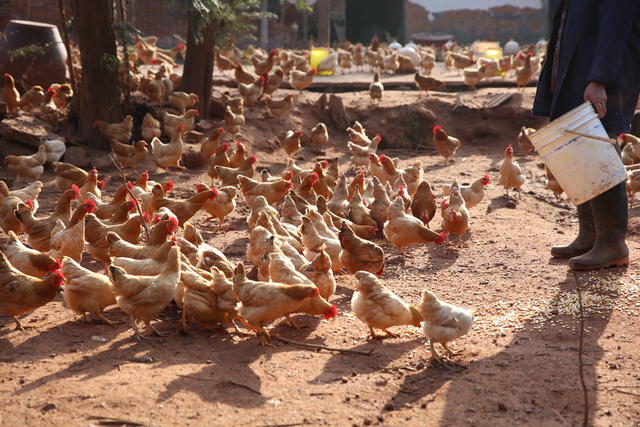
(324, 30)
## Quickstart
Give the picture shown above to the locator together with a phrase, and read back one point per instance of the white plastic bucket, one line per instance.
(584, 167)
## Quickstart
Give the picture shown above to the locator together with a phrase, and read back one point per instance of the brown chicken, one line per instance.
(403, 230)
(292, 142)
(69, 241)
(301, 80)
(85, 291)
(359, 213)
(359, 254)
(319, 134)
(182, 100)
(423, 204)
(233, 121)
(252, 92)
(510, 173)
(445, 144)
(243, 76)
(526, 146)
(28, 168)
(68, 174)
(278, 107)
(32, 98)
(472, 194)
(524, 73)
(185, 209)
(8, 220)
(274, 191)
(552, 183)
(229, 176)
(380, 203)
(455, 215)
(427, 83)
(30, 192)
(129, 155)
(273, 81)
(262, 67)
(29, 261)
(169, 155)
(220, 158)
(210, 144)
(96, 232)
(150, 127)
(376, 89)
(223, 63)
(10, 94)
(20, 293)
(172, 122)
(120, 132)
(92, 185)
(379, 308)
(222, 205)
(263, 302)
(239, 156)
(144, 297)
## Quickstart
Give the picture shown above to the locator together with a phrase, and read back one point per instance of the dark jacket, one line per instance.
(600, 43)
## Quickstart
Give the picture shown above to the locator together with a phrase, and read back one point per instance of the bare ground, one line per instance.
(519, 364)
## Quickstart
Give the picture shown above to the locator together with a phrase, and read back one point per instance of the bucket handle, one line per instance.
(586, 135)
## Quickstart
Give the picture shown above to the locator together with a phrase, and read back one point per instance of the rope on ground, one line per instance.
(585, 392)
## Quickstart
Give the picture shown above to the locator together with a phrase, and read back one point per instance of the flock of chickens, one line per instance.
(304, 226)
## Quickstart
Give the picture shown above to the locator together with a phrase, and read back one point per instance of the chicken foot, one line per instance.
(156, 331)
(450, 352)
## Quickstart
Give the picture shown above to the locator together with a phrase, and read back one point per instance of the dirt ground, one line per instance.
(518, 366)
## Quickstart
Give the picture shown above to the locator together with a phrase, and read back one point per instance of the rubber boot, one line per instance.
(586, 235)
(610, 216)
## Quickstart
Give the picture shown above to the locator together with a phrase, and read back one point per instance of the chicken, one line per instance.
(68, 174)
(460, 60)
(427, 62)
(376, 89)
(92, 185)
(120, 132)
(279, 107)
(329, 63)
(29, 261)
(182, 100)
(149, 266)
(291, 142)
(627, 156)
(10, 94)
(20, 293)
(69, 241)
(220, 158)
(403, 230)
(263, 302)
(380, 203)
(274, 192)
(129, 155)
(221, 206)
(229, 176)
(85, 291)
(243, 76)
(8, 220)
(63, 94)
(423, 203)
(301, 80)
(443, 322)
(526, 146)
(32, 98)
(390, 63)
(282, 270)
(455, 215)
(185, 209)
(427, 83)
(96, 232)
(207, 255)
(30, 192)
(239, 156)
(232, 121)
(445, 144)
(359, 213)
(380, 308)
(273, 82)
(339, 203)
(144, 297)
(361, 155)
(172, 122)
(345, 61)
(169, 155)
(633, 185)
(319, 134)
(510, 173)
(473, 75)
(28, 168)
(551, 183)
(472, 194)
(55, 149)
(358, 254)
(376, 169)
(150, 127)
(211, 143)
(223, 63)
(524, 73)
(259, 205)
(252, 92)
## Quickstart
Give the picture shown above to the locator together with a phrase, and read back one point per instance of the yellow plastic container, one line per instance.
(316, 56)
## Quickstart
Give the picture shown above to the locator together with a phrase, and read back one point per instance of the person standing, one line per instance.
(594, 55)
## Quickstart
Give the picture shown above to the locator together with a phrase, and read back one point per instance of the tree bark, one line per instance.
(99, 91)
(198, 66)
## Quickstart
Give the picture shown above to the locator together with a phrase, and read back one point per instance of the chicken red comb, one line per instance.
(530, 54)
(90, 205)
(57, 265)
(75, 188)
(288, 175)
(314, 177)
(325, 163)
(180, 127)
(173, 224)
(621, 136)
(299, 132)
(180, 46)
(168, 186)
(200, 188)
(372, 155)
(214, 193)
(29, 203)
(253, 158)
(288, 185)
(146, 217)
(436, 128)
(50, 90)
(441, 237)
(154, 61)
(197, 112)
(57, 278)
(145, 176)
(129, 185)
(131, 204)
(225, 147)
(239, 144)
(487, 178)
(101, 184)
(330, 312)
(382, 157)
(378, 136)
(444, 205)
(221, 129)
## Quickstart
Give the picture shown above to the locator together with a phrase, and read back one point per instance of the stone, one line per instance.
(27, 129)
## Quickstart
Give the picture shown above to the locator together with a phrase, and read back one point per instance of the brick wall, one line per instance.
(152, 17)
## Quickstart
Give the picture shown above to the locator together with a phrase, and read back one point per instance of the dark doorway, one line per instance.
(366, 18)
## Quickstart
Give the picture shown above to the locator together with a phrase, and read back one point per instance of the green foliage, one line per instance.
(29, 50)
(199, 12)
(110, 62)
(237, 19)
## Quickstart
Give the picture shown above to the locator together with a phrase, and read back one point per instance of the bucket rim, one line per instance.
(553, 125)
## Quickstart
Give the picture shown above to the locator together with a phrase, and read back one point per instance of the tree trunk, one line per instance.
(99, 91)
(198, 66)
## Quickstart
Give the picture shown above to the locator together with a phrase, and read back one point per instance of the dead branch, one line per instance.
(323, 347)
(138, 201)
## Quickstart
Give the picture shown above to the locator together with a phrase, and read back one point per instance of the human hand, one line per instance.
(596, 93)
